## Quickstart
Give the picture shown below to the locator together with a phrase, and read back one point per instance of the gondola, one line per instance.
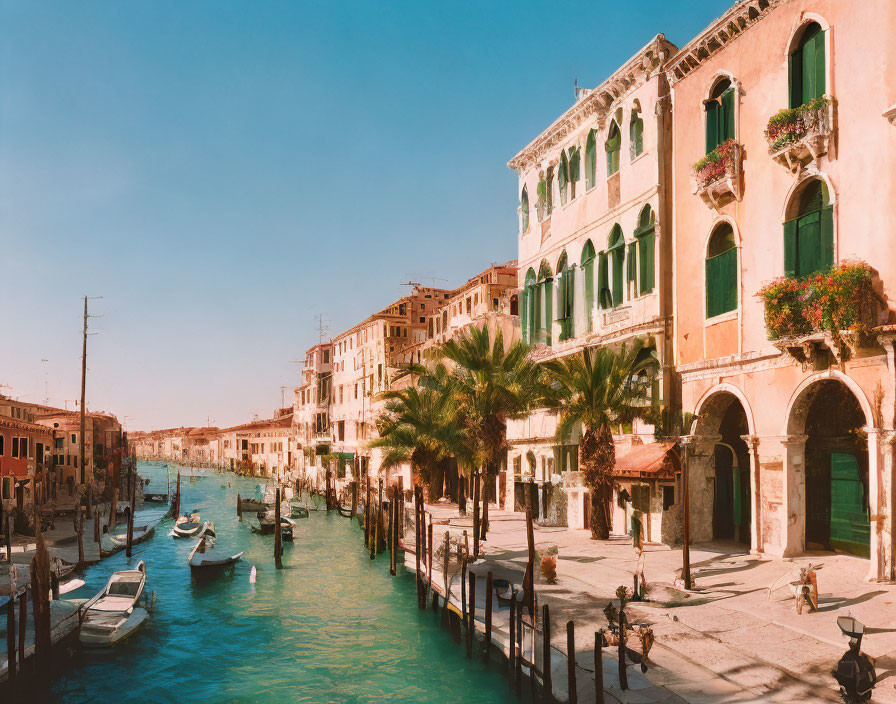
(265, 526)
(140, 533)
(207, 560)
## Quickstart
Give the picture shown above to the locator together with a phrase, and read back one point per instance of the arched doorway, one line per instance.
(722, 469)
(836, 459)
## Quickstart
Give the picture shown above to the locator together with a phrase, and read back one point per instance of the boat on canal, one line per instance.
(187, 526)
(207, 560)
(298, 510)
(140, 534)
(266, 524)
(113, 615)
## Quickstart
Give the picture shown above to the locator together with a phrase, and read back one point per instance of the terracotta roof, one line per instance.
(653, 460)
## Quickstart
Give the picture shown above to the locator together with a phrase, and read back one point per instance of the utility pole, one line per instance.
(83, 387)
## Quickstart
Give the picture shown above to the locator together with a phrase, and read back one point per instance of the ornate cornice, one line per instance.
(598, 101)
(720, 33)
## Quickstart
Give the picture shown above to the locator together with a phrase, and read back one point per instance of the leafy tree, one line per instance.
(596, 391)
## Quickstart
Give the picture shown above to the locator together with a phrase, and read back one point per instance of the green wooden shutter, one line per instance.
(603, 282)
(570, 295)
(808, 71)
(573, 464)
(819, 65)
(590, 160)
(711, 286)
(522, 304)
(728, 279)
(808, 244)
(790, 248)
(561, 293)
(589, 291)
(563, 179)
(524, 207)
(558, 459)
(827, 237)
(712, 126)
(795, 78)
(727, 122)
(618, 273)
(632, 273)
(548, 311)
(645, 252)
(537, 308)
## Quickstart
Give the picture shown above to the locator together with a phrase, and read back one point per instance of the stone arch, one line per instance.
(791, 200)
(709, 403)
(798, 405)
(806, 19)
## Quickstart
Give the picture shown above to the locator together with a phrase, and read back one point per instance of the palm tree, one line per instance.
(598, 390)
(420, 426)
(490, 385)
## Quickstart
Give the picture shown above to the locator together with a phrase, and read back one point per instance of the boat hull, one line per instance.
(91, 638)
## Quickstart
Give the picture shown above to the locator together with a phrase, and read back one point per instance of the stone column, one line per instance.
(701, 482)
(752, 442)
(793, 505)
(887, 441)
(877, 551)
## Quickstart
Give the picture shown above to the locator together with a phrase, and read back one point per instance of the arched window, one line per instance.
(590, 160)
(645, 237)
(575, 159)
(809, 234)
(807, 67)
(524, 209)
(527, 307)
(588, 270)
(636, 132)
(566, 297)
(541, 199)
(616, 251)
(544, 304)
(719, 115)
(613, 144)
(721, 271)
(563, 178)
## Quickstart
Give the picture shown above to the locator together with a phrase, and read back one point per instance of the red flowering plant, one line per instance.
(791, 125)
(842, 298)
(715, 165)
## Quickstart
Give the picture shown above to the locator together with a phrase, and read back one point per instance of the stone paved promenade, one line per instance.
(736, 638)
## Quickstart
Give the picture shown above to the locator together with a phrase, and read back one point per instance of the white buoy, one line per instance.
(252, 575)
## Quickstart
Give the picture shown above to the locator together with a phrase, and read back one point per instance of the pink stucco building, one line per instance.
(791, 449)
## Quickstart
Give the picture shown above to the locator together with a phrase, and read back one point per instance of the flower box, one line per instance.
(800, 135)
(716, 177)
(838, 307)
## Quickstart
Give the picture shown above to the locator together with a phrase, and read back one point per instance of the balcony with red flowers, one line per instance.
(800, 135)
(717, 176)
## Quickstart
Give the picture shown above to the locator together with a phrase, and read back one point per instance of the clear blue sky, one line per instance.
(222, 172)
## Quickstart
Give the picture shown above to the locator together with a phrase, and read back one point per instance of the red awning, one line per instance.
(656, 460)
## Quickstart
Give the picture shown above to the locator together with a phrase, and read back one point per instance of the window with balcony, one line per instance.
(588, 270)
(719, 115)
(590, 160)
(809, 234)
(807, 67)
(721, 271)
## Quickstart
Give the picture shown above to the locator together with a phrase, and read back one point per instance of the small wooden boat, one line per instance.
(252, 505)
(112, 615)
(187, 526)
(265, 526)
(61, 568)
(156, 498)
(206, 560)
(140, 534)
(298, 511)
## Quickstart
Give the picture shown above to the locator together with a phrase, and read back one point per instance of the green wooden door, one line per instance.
(850, 529)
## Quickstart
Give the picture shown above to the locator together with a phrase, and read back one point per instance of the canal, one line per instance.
(331, 626)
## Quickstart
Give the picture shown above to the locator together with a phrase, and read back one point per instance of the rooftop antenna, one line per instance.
(46, 382)
(323, 327)
(81, 445)
(426, 276)
(282, 396)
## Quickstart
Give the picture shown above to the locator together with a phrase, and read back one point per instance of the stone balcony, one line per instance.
(799, 136)
(717, 177)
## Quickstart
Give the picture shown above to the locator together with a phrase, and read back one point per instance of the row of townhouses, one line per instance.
(720, 203)
(40, 452)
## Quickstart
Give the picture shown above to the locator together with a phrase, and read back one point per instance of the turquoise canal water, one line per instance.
(331, 626)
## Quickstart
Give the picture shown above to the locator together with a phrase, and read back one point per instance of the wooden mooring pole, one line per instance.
(418, 545)
(131, 502)
(547, 690)
(23, 625)
(511, 643)
(475, 492)
(393, 533)
(96, 523)
(488, 615)
(571, 662)
(367, 513)
(278, 538)
(429, 554)
(471, 618)
(518, 660)
(40, 595)
(599, 667)
(623, 674)
(239, 507)
(80, 537)
(11, 638)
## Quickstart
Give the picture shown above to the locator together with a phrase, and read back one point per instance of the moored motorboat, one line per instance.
(206, 558)
(113, 614)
